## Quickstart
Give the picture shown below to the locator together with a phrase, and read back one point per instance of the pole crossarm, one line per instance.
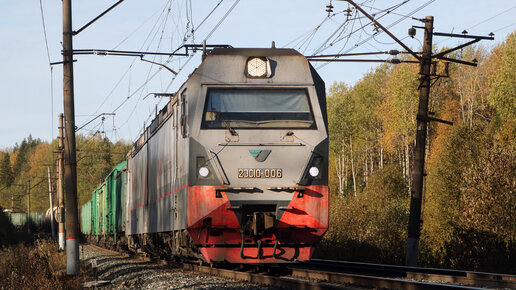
(458, 61)
(440, 54)
(103, 114)
(394, 61)
(124, 52)
(391, 52)
(187, 47)
(96, 18)
(383, 28)
(464, 36)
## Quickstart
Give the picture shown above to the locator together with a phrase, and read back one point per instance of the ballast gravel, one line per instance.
(129, 273)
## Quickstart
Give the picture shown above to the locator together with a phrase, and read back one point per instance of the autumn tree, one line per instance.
(502, 94)
(398, 114)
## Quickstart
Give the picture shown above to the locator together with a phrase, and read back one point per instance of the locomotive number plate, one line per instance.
(260, 173)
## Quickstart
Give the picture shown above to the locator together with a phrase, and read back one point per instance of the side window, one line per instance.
(183, 114)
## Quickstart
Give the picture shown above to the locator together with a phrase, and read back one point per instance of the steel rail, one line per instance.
(286, 282)
(342, 276)
(371, 281)
(470, 278)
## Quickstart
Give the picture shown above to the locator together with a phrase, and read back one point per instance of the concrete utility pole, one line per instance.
(72, 225)
(51, 198)
(414, 226)
(60, 196)
(28, 207)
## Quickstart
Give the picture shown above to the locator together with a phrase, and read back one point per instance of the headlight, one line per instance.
(314, 171)
(258, 67)
(203, 171)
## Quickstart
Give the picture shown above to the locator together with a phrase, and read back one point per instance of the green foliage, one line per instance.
(6, 172)
(398, 111)
(471, 192)
(21, 154)
(502, 94)
(469, 217)
(96, 157)
(372, 226)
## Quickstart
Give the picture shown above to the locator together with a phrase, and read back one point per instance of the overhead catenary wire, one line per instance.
(159, 69)
(385, 12)
(141, 87)
(163, 9)
(512, 24)
(492, 17)
(51, 69)
(381, 31)
(484, 21)
(361, 28)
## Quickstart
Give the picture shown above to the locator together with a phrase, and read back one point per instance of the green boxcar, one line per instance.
(19, 219)
(86, 221)
(115, 200)
(106, 214)
(95, 212)
(37, 219)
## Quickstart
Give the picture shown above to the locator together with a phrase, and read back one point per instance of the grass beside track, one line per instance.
(37, 265)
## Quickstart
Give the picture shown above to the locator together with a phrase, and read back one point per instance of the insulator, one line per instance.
(393, 52)
(395, 61)
(464, 31)
(348, 12)
(491, 34)
(329, 8)
(412, 32)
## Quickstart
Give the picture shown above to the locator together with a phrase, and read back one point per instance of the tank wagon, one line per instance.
(234, 167)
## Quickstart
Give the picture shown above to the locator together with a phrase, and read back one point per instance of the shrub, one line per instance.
(370, 227)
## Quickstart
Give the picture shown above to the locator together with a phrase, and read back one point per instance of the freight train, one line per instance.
(233, 169)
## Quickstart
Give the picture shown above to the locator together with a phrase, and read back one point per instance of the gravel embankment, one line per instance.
(127, 273)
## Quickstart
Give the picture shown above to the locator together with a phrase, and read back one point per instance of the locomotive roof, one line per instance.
(255, 51)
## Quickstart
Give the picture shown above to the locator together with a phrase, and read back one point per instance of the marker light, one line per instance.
(314, 171)
(203, 171)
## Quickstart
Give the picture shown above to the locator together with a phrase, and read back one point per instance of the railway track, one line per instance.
(328, 274)
(392, 276)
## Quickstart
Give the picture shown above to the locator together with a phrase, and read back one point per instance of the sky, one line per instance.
(31, 90)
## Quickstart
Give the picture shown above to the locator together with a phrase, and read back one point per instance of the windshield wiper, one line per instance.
(231, 130)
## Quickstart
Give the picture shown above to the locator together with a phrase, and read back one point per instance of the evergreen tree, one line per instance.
(6, 172)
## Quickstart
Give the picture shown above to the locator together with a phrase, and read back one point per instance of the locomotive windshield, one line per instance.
(257, 108)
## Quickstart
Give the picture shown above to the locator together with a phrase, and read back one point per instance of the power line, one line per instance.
(162, 19)
(134, 60)
(385, 13)
(159, 69)
(51, 69)
(504, 27)
(222, 19)
(484, 21)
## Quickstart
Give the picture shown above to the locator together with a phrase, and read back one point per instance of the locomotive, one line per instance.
(233, 169)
